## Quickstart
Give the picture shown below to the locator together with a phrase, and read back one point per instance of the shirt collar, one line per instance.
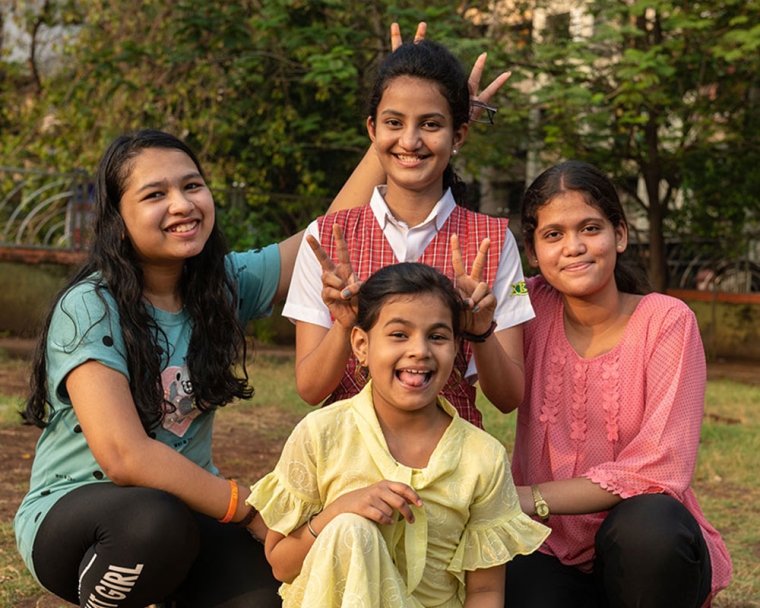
(439, 214)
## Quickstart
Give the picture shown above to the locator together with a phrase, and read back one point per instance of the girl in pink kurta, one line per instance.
(608, 432)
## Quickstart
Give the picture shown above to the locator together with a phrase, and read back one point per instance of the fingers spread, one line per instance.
(473, 83)
(491, 89)
(480, 260)
(395, 36)
(456, 256)
(397, 41)
(341, 246)
(421, 31)
(324, 260)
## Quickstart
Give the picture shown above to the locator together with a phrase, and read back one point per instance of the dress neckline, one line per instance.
(559, 319)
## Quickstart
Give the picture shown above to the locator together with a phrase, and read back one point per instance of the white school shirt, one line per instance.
(304, 302)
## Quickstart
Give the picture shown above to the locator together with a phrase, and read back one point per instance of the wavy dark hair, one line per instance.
(208, 293)
(599, 192)
(434, 62)
(406, 278)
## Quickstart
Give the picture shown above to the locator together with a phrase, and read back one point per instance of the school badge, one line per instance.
(519, 289)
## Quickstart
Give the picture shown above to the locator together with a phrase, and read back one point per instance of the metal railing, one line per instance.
(43, 209)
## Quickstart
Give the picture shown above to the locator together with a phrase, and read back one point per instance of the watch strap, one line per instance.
(542, 509)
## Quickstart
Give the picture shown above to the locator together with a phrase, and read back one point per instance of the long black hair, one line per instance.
(208, 293)
(430, 61)
(406, 279)
(598, 191)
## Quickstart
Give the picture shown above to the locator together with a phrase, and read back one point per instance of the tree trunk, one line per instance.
(658, 265)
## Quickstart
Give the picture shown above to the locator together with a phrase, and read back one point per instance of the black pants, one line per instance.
(650, 553)
(105, 546)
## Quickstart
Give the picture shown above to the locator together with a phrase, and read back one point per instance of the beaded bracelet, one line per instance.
(232, 507)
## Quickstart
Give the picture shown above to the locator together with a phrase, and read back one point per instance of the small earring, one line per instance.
(535, 260)
(361, 374)
(455, 151)
(620, 248)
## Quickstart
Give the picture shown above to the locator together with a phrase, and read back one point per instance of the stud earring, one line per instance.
(455, 151)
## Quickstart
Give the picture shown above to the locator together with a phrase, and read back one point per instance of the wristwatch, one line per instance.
(542, 509)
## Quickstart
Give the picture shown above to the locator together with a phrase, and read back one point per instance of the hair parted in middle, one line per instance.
(597, 191)
(428, 60)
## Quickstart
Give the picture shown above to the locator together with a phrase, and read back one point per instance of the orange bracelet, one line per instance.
(232, 507)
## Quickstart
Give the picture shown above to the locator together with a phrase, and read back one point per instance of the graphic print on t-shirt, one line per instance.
(178, 390)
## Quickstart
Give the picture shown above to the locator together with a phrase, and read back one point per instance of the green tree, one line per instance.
(269, 92)
(651, 89)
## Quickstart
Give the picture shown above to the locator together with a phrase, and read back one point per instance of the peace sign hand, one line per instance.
(479, 101)
(480, 301)
(396, 40)
(339, 284)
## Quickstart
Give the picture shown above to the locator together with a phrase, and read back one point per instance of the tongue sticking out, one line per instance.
(412, 379)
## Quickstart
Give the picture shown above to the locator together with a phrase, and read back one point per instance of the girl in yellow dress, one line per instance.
(390, 499)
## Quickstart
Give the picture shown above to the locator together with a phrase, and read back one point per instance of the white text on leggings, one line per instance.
(114, 586)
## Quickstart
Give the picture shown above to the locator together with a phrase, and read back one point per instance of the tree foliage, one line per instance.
(270, 93)
(659, 90)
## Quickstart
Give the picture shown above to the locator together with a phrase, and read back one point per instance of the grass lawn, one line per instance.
(725, 480)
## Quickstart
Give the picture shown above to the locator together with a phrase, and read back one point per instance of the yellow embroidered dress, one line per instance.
(470, 519)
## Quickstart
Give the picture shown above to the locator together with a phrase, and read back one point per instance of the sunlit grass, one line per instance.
(726, 482)
(9, 409)
(725, 478)
(16, 584)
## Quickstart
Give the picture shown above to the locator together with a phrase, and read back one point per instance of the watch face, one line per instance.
(542, 510)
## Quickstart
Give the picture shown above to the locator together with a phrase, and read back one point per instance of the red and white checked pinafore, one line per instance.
(369, 250)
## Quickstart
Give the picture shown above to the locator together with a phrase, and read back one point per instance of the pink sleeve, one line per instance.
(662, 455)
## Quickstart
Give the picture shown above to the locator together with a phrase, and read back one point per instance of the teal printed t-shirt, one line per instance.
(84, 329)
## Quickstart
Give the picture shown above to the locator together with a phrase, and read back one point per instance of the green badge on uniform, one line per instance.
(519, 289)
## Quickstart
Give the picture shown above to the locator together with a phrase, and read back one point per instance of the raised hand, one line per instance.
(481, 303)
(379, 502)
(396, 40)
(479, 101)
(339, 283)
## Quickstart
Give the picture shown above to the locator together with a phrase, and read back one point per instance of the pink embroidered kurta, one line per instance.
(370, 251)
(628, 420)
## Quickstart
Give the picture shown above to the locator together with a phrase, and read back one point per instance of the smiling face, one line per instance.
(576, 246)
(414, 135)
(166, 207)
(410, 353)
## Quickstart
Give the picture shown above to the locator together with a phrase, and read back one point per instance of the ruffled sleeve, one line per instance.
(497, 530)
(289, 495)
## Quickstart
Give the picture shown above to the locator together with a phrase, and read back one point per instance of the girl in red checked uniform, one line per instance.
(419, 117)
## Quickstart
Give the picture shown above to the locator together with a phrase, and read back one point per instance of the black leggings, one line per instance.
(105, 546)
(649, 552)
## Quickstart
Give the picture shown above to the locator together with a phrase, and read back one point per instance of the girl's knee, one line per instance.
(351, 523)
(353, 531)
(159, 521)
(650, 526)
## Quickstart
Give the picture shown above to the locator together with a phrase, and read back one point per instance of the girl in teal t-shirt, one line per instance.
(126, 507)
